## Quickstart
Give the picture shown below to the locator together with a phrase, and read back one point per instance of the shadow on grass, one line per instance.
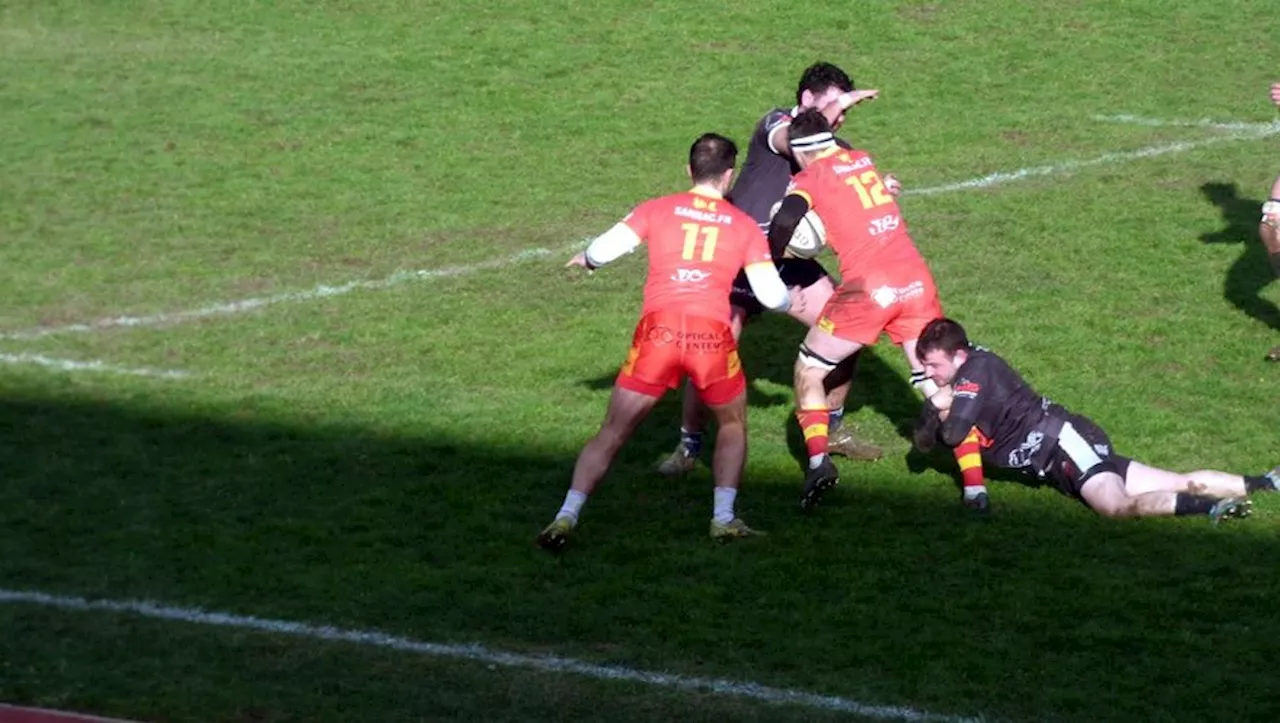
(1251, 272)
(888, 595)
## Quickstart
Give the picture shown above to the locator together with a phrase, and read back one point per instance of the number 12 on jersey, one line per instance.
(695, 235)
(870, 189)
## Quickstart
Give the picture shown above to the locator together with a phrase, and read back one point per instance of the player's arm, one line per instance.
(794, 206)
(608, 246)
(762, 273)
(833, 112)
(958, 406)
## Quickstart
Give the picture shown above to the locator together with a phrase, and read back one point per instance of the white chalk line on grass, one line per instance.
(1127, 119)
(71, 365)
(245, 305)
(1247, 132)
(480, 654)
(1243, 132)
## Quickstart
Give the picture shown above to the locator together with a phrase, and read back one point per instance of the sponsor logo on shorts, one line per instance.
(967, 389)
(1021, 457)
(735, 364)
(660, 335)
(887, 296)
(690, 275)
(697, 342)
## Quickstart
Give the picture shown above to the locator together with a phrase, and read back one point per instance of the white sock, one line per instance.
(724, 497)
(572, 505)
(816, 460)
(971, 491)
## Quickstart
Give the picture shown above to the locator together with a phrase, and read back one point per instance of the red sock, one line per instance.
(969, 456)
(814, 424)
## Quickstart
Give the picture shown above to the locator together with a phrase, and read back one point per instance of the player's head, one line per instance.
(711, 160)
(809, 135)
(943, 347)
(820, 84)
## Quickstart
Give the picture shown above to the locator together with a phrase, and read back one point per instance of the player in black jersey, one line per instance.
(1019, 429)
(758, 190)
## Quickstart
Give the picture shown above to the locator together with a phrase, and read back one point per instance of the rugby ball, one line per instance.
(809, 237)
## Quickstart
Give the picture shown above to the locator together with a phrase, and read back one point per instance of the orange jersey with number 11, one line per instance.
(697, 243)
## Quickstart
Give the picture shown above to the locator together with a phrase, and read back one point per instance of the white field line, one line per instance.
(480, 654)
(70, 365)
(1174, 123)
(1244, 132)
(1251, 131)
(245, 305)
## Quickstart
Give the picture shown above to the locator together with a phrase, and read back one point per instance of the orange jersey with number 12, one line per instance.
(697, 243)
(864, 225)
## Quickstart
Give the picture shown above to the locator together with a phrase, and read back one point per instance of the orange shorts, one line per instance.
(668, 345)
(901, 309)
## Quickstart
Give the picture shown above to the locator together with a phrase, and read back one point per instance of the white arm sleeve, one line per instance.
(612, 244)
(768, 286)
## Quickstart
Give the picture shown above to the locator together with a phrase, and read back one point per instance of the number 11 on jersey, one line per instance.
(694, 235)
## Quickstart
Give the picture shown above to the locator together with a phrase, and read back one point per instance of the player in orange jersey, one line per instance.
(1269, 228)
(697, 244)
(885, 284)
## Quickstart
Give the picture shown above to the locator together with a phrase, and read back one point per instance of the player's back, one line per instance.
(864, 224)
(697, 244)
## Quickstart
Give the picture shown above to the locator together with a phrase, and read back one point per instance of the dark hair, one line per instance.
(710, 156)
(819, 77)
(807, 123)
(944, 335)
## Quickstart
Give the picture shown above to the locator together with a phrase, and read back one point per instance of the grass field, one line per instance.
(191, 189)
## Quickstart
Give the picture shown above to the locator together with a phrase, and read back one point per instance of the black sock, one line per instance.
(1188, 504)
(1261, 483)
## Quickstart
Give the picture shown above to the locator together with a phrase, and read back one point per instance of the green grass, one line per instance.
(382, 459)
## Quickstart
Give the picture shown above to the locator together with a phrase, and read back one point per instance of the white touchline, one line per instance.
(1246, 131)
(480, 654)
(1253, 133)
(1174, 123)
(319, 292)
(70, 365)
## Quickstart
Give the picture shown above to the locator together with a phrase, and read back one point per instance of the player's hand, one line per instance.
(1275, 93)
(941, 399)
(579, 259)
(798, 301)
(892, 184)
(858, 96)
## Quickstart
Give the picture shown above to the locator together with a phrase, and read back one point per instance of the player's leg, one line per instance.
(1106, 494)
(727, 463)
(1269, 232)
(1144, 478)
(811, 290)
(819, 354)
(694, 414)
(627, 408)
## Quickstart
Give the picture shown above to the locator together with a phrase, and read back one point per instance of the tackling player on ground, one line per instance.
(981, 398)
(1269, 228)
(757, 191)
(885, 286)
(697, 243)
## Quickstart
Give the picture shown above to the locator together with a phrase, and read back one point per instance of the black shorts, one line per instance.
(1083, 450)
(794, 272)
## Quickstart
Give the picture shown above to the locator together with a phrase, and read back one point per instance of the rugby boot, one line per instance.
(554, 537)
(1230, 508)
(1274, 354)
(979, 503)
(846, 444)
(678, 463)
(817, 481)
(732, 530)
